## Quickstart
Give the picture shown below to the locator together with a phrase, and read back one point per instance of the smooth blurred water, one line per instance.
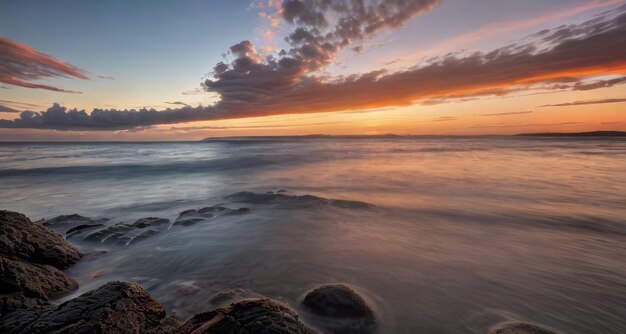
(465, 232)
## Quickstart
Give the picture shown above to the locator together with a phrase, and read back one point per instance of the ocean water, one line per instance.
(458, 233)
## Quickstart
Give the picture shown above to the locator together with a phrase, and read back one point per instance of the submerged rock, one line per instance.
(116, 307)
(150, 221)
(21, 238)
(340, 309)
(247, 316)
(80, 228)
(295, 200)
(337, 301)
(518, 328)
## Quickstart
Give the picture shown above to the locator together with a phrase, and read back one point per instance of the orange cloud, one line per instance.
(22, 64)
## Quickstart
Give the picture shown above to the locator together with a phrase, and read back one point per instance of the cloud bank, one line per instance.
(290, 82)
(20, 65)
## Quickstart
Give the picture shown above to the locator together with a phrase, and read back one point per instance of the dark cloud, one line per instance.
(580, 103)
(20, 105)
(599, 84)
(177, 103)
(8, 110)
(509, 113)
(105, 77)
(20, 65)
(60, 118)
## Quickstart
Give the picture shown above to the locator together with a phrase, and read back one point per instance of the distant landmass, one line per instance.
(394, 136)
(577, 134)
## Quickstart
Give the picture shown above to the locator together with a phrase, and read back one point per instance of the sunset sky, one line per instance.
(186, 70)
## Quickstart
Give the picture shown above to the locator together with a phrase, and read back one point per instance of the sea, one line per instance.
(438, 234)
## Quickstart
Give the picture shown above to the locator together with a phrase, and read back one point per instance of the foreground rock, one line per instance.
(116, 307)
(342, 309)
(28, 285)
(21, 238)
(247, 316)
(518, 328)
(31, 257)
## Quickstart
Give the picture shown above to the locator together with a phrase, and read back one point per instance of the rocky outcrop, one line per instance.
(31, 257)
(294, 201)
(23, 239)
(518, 328)
(79, 228)
(247, 316)
(341, 309)
(114, 308)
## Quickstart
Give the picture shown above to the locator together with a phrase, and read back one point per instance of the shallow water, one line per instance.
(463, 232)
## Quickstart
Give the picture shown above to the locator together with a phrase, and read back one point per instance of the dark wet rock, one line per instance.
(150, 221)
(80, 228)
(189, 222)
(27, 285)
(188, 212)
(282, 191)
(116, 307)
(143, 235)
(337, 300)
(294, 200)
(239, 211)
(66, 223)
(247, 316)
(230, 296)
(192, 217)
(21, 238)
(125, 234)
(170, 325)
(114, 232)
(518, 328)
(216, 208)
(71, 220)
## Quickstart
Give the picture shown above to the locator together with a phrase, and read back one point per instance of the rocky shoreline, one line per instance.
(33, 257)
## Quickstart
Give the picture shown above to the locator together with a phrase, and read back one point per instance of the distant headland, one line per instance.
(590, 134)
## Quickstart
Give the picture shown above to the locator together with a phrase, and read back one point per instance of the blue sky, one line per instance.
(156, 50)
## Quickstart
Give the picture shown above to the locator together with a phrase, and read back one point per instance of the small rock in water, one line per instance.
(518, 328)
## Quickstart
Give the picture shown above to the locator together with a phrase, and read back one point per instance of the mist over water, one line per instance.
(461, 232)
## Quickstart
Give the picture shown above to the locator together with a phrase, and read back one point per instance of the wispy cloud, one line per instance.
(586, 102)
(6, 109)
(509, 113)
(177, 103)
(22, 65)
